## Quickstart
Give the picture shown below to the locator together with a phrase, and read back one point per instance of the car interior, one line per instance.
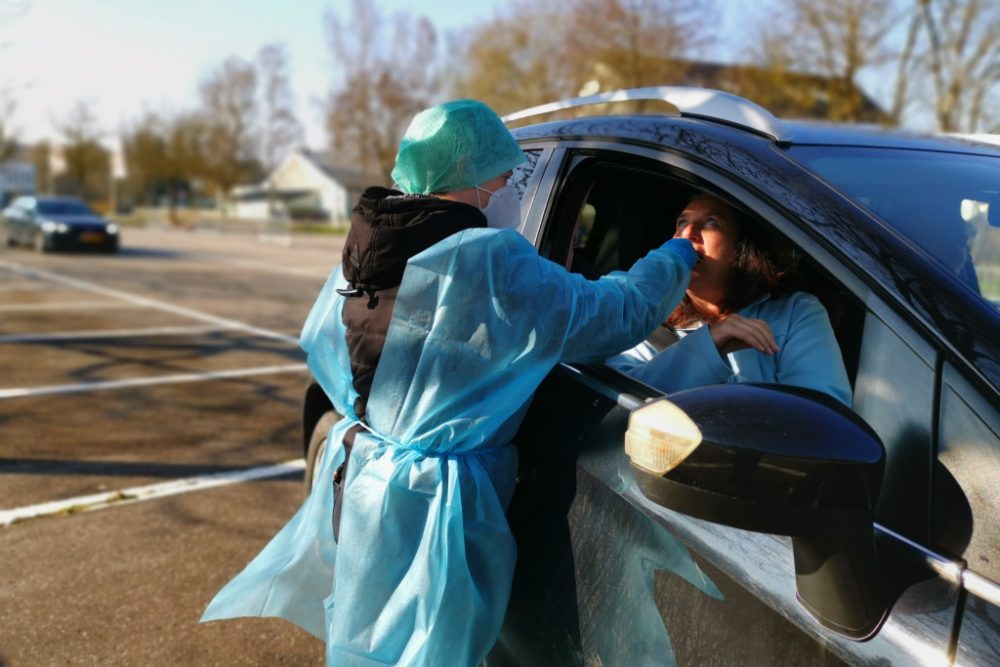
(622, 211)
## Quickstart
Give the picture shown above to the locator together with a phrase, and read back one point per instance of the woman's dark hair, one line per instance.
(762, 263)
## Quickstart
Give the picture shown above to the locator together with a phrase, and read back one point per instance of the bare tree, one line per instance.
(905, 65)
(519, 58)
(280, 130)
(963, 59)
(540, 51)
(9, 9)
(228, 119)
(185, 135)
(40, 155)
(165, 155)
(8, 135)
(776, 84)
(388, 72)
(87, 162)
(636, 42)
(832, 39)
(187, 166)
(144, 144)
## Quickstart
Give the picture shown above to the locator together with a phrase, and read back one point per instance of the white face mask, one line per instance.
(504, 208)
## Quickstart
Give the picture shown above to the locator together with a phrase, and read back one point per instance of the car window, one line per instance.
(63, 208)
(610, 214)
(946, 203)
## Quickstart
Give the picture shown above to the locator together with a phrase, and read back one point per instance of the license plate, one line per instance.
(91, 237)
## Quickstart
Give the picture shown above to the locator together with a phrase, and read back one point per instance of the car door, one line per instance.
(6, 218)
(607, 576)
(965, 512)
(27, 221)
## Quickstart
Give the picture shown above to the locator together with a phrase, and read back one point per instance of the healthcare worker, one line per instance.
(430, 339)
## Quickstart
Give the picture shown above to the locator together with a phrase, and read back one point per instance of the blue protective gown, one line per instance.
(808, 354)
(423, 570)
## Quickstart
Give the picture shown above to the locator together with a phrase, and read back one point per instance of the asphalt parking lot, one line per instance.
(150, 444)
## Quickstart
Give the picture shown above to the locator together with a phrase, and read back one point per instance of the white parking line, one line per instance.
(149, 381)
(68, 305)
(113, 333)
(148, 303)
(140, 493)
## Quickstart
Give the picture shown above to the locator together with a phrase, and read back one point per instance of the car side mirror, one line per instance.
(780, 460)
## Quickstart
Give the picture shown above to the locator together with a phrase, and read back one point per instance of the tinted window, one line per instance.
(946, 203)
(63, 208)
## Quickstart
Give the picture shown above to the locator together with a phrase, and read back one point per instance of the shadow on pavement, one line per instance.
(148, 253)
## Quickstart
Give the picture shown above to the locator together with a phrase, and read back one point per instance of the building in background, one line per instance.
(305, 186)
(786, 94)
(17, 177)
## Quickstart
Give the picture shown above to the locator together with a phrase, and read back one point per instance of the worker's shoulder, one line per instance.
(476, 246)
(487, 242)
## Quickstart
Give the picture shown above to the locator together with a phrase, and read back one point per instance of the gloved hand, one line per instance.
(682, 249)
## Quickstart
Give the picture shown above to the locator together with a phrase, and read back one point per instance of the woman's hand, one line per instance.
(736, 332)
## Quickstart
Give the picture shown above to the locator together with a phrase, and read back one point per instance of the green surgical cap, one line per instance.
(454, 146)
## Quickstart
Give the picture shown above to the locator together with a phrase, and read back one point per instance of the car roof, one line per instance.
(721, 109)
(799, 132)
(813, 133)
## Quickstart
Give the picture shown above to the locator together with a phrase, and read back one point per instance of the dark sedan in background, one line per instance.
(58, 223)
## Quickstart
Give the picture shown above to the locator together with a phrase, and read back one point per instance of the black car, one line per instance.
(797, 532)
(58, 223)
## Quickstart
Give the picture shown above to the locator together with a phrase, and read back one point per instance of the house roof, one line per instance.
(785, 93)
(347, 176)
(735, 77)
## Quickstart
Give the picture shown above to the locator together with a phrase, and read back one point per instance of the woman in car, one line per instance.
(734, 325)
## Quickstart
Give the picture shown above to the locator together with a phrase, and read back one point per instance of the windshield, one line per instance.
(946, 203)
(63, 208)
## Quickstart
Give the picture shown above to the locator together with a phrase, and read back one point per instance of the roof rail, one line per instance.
(690, 101)
(981, 137)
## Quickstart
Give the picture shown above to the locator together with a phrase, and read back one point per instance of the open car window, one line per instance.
(610, 214)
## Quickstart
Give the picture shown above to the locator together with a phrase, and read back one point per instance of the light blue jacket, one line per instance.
(808, 354)
(422, 572)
